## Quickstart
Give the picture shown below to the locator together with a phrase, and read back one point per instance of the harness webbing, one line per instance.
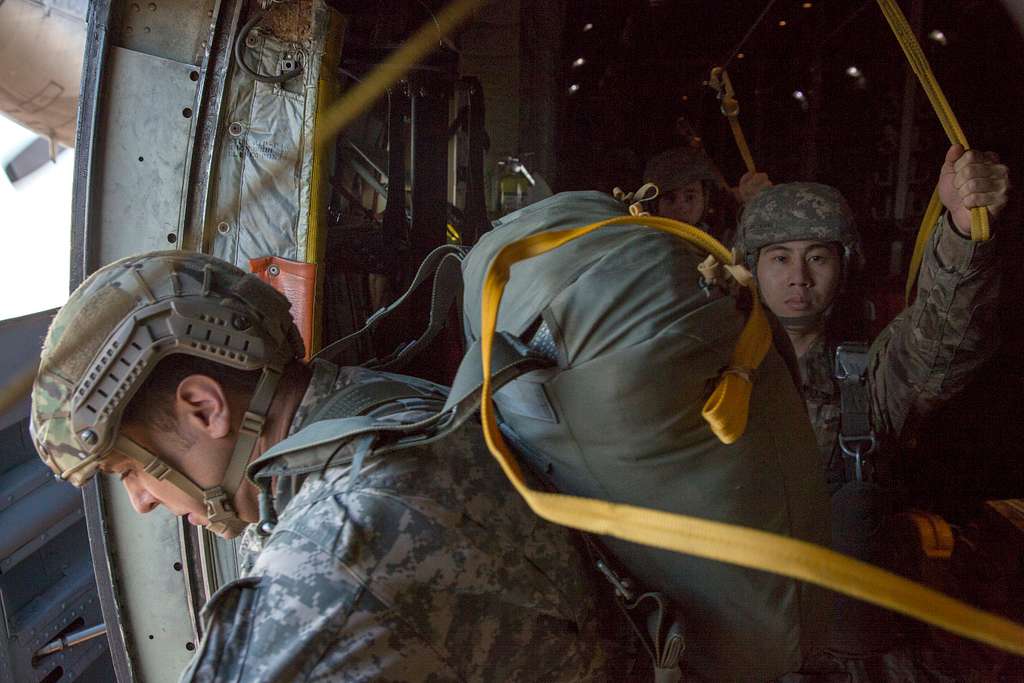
(726, 412)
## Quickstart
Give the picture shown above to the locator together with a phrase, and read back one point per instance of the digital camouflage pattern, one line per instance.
(678, 167)
(76, 388)
(922, 358)
(797, 211)
(925, 356)
(426, 567)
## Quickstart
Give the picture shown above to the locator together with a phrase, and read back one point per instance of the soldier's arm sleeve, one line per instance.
(932, 349)
(305, 616)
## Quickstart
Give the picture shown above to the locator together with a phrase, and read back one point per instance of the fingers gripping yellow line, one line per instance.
(700, 537)
(919, 63)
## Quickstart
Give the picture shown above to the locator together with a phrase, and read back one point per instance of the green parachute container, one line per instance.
(639, 345)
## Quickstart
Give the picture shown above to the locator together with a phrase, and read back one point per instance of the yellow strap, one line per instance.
(918, 62)
(320, 177)
(928, 223)
(741, 140)
(453, 235)
(721, 82)
(393, 68)
(700, 537)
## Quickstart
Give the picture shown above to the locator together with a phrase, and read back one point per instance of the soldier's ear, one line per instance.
(202, 406)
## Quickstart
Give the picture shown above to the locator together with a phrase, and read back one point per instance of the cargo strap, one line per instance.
(720, 81)
(856, 437)
(444, 264)
(919, 63)
(704, 538)
(650, 616)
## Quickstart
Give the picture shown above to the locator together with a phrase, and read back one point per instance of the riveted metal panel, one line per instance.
(145, 134)
(172, 29)
(146, 569)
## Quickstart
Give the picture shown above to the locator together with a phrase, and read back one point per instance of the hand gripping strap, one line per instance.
(919, 63)
(737, 545)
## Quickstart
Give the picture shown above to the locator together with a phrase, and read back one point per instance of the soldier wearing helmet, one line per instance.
(687, 182)
(181, 375)
(800, 241)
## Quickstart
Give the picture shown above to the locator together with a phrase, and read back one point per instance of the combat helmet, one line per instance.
(116, 327)
(678, 167)
(799, 211)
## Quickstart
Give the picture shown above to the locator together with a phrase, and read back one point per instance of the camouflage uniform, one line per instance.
(922, 358)
(426, 566)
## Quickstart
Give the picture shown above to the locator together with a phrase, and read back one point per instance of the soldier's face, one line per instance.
(147, 493)
(685, 204)
(798, 278)
(202, 462)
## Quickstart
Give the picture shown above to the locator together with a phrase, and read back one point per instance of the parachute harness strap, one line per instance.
(699, 537)
(919, 63)
(720, 81)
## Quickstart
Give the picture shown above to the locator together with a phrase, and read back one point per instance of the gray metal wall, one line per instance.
(47, 588)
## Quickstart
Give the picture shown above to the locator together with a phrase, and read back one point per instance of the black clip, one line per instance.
(623, 587)
(268, 515)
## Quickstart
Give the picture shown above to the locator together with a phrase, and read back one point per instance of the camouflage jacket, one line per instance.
(923, 357)
(425, 566)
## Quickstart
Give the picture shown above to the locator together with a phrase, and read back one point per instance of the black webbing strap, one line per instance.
(444, 266)
(856, 437)
(650, 616)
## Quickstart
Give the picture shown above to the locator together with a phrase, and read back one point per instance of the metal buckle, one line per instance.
(623, 587)
(851, 362)
(857, 449)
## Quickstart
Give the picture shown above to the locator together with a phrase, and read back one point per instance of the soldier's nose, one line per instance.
(142, 500)
(800, 276)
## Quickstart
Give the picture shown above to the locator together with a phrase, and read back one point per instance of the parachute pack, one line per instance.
(631, 345)
(638, 345)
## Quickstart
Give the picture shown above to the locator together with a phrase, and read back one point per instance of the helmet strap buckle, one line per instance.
(218, 507)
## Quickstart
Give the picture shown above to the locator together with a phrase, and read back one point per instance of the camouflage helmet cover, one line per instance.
(678, 167)
(122, 321)
(798, 211)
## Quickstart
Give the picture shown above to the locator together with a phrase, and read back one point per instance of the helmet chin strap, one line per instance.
(218, 500)
(801, 322)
